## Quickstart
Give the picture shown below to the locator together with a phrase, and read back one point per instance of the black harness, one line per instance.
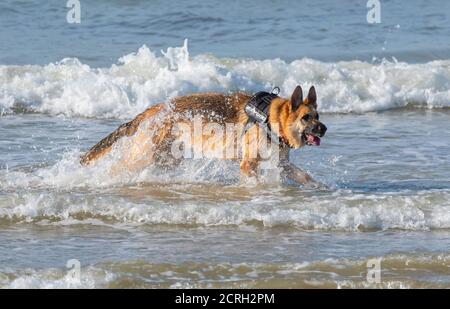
(257, 110)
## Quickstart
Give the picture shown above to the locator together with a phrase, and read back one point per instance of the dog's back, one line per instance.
(214, 107)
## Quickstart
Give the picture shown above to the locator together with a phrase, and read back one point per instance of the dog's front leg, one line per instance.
(299, 176)
(249, 167)
(250, 160)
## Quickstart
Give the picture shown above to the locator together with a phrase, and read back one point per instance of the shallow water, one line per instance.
(384, 157)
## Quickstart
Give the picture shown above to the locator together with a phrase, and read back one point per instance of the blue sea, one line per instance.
(383, 92)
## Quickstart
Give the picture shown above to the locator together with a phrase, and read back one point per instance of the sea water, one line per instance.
(383, 92)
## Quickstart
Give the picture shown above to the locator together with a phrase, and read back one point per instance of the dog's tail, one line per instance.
(126, 129)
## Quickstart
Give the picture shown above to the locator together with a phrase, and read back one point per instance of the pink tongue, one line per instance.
(313, 140)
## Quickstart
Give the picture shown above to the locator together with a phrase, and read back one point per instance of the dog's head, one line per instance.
(302, 126)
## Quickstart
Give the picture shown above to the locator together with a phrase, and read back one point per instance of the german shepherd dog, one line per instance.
(294, 121)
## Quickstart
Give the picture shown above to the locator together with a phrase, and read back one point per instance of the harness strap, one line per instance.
(257, 110)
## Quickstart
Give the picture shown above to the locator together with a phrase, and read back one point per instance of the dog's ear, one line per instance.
(312, 97)
(296, 98)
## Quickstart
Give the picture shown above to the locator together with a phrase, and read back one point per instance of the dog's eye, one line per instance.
(306, 117)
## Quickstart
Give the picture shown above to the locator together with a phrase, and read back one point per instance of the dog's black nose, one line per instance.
(321, 129)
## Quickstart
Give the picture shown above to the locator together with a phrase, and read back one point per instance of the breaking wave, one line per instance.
(54, 196)
(205, 194)
(146, 77)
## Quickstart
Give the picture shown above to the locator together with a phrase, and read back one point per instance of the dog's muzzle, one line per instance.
(311, 136)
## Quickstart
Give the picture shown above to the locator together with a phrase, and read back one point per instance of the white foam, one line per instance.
(336, 211)
(144, 78)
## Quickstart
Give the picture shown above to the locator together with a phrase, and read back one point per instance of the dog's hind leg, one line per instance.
(127, 129)
(144, 148)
